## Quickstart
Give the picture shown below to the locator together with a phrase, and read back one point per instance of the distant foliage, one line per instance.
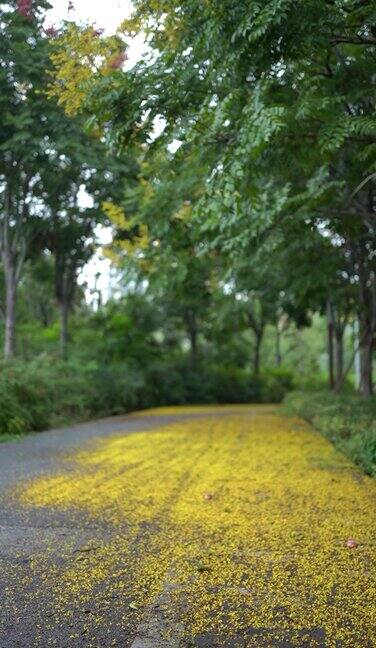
(47, 392)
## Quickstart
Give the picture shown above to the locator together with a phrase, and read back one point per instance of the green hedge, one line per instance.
(47, 392)
(179, 384)
(41, 393)
(348, 420)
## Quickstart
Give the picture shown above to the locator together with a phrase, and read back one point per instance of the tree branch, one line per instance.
(353, 40)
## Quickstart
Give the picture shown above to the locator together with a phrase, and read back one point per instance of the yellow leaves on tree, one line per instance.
(156, 19)
(81, 55)
(116, 215)
(132, 237)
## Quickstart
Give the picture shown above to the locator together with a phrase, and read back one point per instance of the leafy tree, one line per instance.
(39, 148)
(253, 87)
(79, 174)
(27, 125)
(154, 232)
(266, 155)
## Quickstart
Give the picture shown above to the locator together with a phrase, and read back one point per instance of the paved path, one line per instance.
(217, 527)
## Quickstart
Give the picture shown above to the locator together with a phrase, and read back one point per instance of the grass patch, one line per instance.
(4, 438)
(347, 420)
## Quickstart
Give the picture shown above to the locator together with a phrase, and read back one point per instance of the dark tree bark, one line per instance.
(339, 332)
(65, 285)
(64, 319)
(259, 334)
(367, 326)
(361, 250)
(366, 358)
(257, 325)
(367, 317)
(330, 345)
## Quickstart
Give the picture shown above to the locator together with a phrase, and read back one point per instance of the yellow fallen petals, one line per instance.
(244, 518)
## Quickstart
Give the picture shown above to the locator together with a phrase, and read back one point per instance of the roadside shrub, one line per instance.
(14, 418)
(47, 392)
(230, 385)
(275, 384)
(347, 420)
(115, 389)
(164, 384)
(180, 384)
(41, 393)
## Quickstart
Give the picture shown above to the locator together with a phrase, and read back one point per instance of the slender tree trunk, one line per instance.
(330, 346)
(10, 310)
(366, 360)
(193, 335)
(339, 358)
(257, 353)
(64, 319)
(367, 316)
(356, 353)
(13, 246)
(278, 353)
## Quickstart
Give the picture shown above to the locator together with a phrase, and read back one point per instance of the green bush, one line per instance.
(163, 384)
(348, 420)
(115, 389)
(47, 392)
(275, 384)
(230, 385)
(179, 384)
(41, 393)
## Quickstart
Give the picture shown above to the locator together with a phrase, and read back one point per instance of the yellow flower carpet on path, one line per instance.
(246, 516)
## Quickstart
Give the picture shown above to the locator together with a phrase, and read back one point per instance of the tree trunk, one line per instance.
(367, 315)
(64, 316)
(357, 368)
(339, 358)
(366, 360)
(330, 346)
(257, 353)
(278, 353)
(193, 334)
(10, 310)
